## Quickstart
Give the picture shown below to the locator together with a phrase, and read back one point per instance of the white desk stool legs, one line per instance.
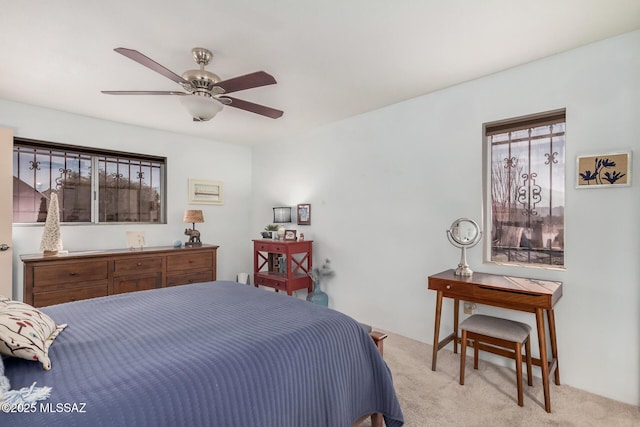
(500, 335)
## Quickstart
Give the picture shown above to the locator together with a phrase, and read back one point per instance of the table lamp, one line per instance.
(193, 216)
(281, 215)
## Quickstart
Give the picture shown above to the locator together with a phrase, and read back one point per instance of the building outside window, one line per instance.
(524, 191)
(128, 188)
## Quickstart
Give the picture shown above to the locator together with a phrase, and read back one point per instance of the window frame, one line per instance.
(96, 154)
(507, 125)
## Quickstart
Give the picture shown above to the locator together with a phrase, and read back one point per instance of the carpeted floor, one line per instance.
(488, 397)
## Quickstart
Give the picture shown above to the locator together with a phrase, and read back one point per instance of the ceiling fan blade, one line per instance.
(151, 64)
(142, 92)
(254, 108)
(248, 81)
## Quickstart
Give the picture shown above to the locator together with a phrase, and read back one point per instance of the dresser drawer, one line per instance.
(270, 247)
(270, 282)
(137, 265)
(189, 261)
(187, 278)
(451, 289)
(58, 297)
(137, 283)
(70, 272)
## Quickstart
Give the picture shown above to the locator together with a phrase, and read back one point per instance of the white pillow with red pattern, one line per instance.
(26, 332)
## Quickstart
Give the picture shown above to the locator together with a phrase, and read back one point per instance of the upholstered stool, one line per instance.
(497, 332)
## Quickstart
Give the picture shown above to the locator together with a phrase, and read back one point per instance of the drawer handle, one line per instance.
(73, 299)
(72, 274)
(448, 286)
(139, 264)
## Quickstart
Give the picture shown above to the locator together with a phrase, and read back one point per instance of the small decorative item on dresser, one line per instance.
(193, 216)
(136, 240)
(317, 275)
(301, 238)
(281, 216)
(51, 242)
(269, 231)
(290, 235)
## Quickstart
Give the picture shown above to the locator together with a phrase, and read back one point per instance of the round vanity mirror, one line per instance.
(464, 233)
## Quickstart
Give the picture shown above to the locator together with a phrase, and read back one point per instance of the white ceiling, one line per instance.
(332, 58)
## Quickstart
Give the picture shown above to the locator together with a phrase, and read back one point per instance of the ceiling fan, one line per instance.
(205, 92)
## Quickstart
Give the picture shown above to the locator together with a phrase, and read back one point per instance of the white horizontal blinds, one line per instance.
(527, 188)
(534, 121)
(91, 151)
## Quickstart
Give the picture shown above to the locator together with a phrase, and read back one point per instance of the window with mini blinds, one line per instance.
(93, 185)
(524, 201)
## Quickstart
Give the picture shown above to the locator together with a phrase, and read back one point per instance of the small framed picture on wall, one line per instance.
(604, 170)
(304, 214)
(205, 192)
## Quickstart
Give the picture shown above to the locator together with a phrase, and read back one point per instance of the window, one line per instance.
(524, 195)
(127, 188)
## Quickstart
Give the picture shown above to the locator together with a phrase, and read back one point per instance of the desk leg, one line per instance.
(554, 346)
(456, 316)
(544, 363)
(436, 331)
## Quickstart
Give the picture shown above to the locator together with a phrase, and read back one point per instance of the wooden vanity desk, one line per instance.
(515, 293)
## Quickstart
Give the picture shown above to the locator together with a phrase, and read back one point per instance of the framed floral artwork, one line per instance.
(604, 170)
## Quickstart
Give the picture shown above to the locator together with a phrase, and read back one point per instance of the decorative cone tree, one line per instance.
(51, 242)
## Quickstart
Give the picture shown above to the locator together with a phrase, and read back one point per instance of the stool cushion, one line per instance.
(496, 327)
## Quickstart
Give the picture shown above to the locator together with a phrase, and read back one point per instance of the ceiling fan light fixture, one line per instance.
(204, 92)
(202, 107)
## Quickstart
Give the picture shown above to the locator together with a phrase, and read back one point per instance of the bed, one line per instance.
(208, 354)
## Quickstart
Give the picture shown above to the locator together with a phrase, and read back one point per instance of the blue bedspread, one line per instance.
(215, 354)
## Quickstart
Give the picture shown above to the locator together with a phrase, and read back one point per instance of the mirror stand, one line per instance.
(464, 233)
(463, 268)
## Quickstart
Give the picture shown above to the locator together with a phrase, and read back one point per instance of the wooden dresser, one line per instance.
(90, 274)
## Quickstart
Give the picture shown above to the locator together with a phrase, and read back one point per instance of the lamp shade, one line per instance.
(201, 107)
(193, 216)
(282, 214)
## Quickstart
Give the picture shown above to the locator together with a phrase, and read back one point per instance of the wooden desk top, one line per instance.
(494, 289)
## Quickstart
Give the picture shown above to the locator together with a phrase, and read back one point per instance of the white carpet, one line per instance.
(489, 396)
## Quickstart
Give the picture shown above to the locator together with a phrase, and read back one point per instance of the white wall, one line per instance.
(385, 185)
(187, 157)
